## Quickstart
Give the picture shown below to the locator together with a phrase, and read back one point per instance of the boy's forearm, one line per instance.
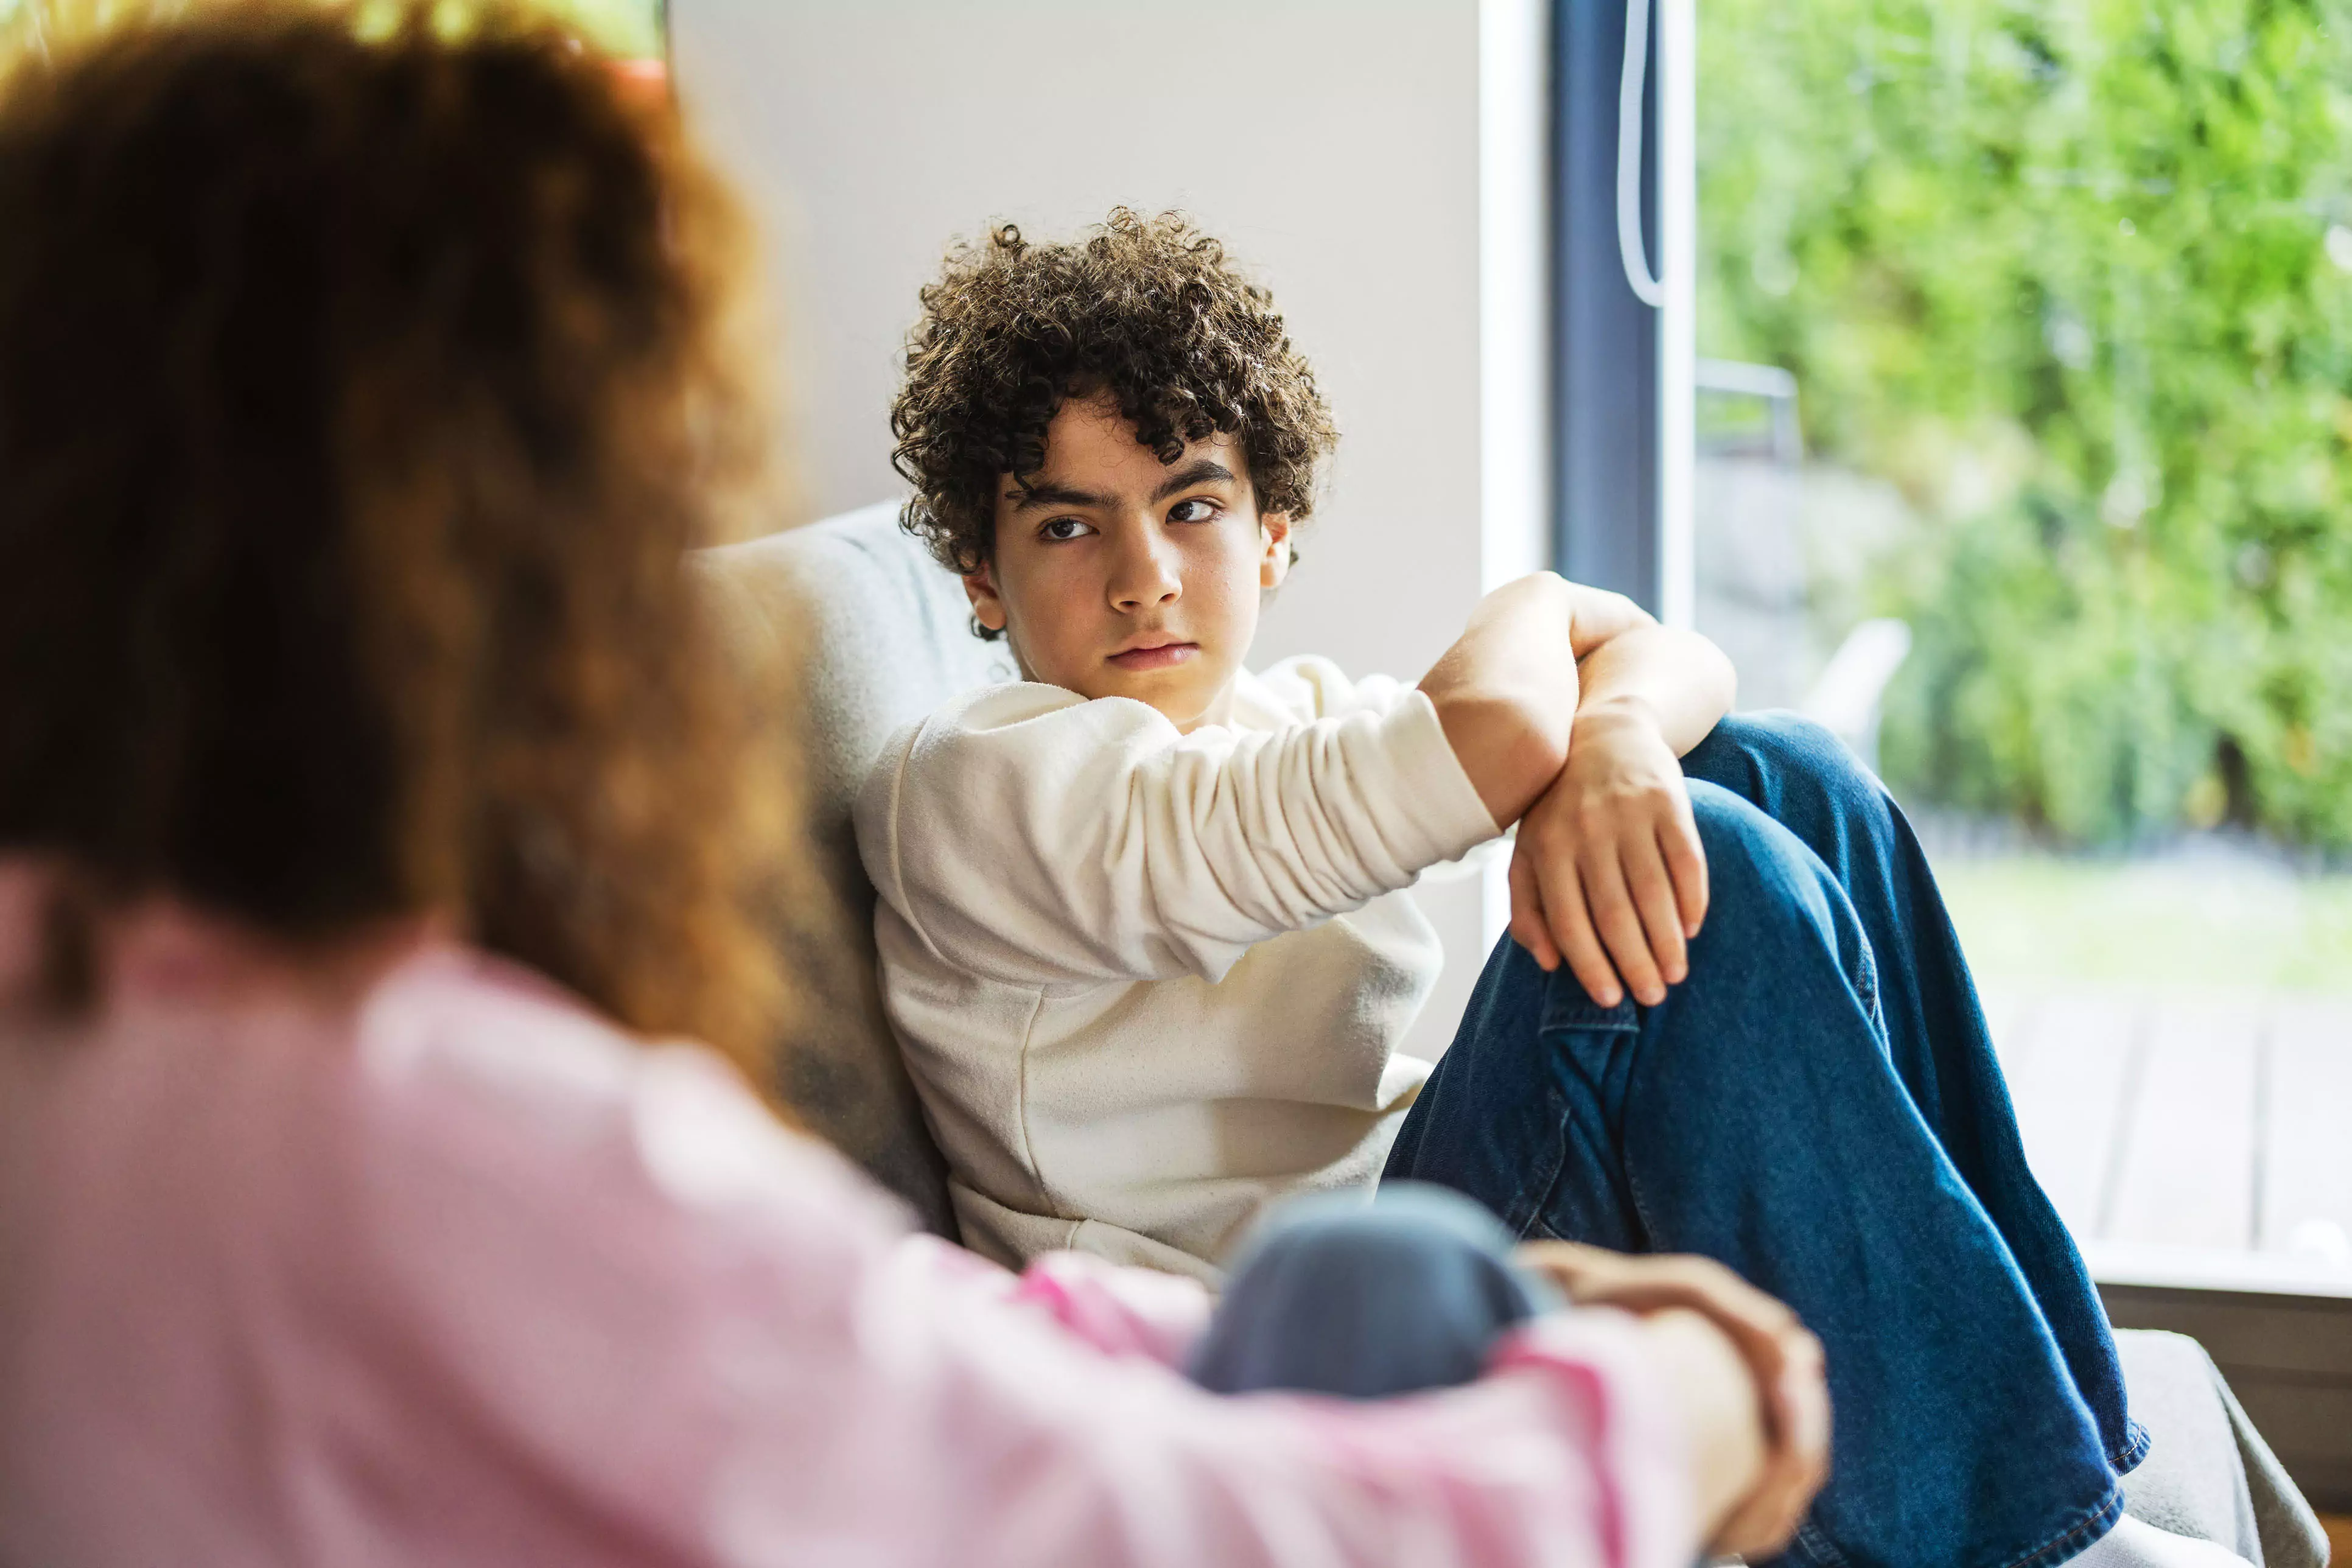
(1677, 679)
(1541, 654)
(1506, 692)
(1607, 876)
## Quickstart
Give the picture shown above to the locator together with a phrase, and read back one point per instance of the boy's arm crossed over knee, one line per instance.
(1030, 836)
(1568, 707)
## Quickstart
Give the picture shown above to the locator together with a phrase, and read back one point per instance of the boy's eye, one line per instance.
(1195, 510)
(1064, 527)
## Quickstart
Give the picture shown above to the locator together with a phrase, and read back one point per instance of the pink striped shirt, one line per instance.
(432, 1266)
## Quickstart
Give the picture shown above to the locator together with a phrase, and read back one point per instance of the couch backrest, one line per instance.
(861, 631)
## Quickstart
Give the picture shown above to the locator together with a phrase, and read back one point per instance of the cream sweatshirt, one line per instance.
(1146, 982)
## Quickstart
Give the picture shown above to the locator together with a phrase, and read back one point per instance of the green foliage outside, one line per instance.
(2076, 276)
(628, 30)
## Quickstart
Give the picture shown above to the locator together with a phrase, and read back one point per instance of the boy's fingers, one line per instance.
(1571, 930)
(1654, 899)
(1528, 927)
(1620, 926)
(1687, 864)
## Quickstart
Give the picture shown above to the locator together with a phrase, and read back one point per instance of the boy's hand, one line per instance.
(1608, 865)
(1782, 1359)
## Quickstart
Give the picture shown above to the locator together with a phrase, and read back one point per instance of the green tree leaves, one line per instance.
(2124, 228)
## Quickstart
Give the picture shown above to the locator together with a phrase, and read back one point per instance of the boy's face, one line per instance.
(1116, 576)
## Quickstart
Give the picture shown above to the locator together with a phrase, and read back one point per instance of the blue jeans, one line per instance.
(1818, 1106)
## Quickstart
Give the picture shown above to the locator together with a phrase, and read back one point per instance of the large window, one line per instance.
(2024, 459)
(2025, 452)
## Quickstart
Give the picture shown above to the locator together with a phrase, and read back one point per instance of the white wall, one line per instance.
(1334, 144)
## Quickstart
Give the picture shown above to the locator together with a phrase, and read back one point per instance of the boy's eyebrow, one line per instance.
(1037, 498)
(1200, 471)
(1040, 497)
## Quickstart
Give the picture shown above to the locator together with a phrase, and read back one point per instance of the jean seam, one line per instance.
(1540, 1221)
(1818, 1550)
(1641, 1208)
(1587, 1016)
(1549, 1031)
(1530, 1195)
(1634, 1182)
(1558, 1018)
(2128, 1456)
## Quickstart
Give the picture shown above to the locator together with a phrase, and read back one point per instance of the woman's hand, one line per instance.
(1608, 865)
(1709, 1388)
(1782, 1359)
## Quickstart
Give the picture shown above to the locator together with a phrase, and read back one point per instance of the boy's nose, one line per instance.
(1146, 577)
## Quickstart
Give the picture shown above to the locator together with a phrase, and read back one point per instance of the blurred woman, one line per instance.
(372, 802)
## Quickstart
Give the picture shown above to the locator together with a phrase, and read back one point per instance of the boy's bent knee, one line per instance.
(1775, 911)
(1769, 894)
(1767, 755)
(1782, 736)
(1747, 852)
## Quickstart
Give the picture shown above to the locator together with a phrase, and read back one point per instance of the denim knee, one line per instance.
(1804, 777)
(1757, 869)
(1779, 752)
(1771, 898)
(1768, 894)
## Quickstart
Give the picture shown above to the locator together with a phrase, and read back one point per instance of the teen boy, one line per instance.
(1143, 941)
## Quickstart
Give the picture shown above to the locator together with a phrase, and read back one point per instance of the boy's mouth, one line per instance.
(1155, 656)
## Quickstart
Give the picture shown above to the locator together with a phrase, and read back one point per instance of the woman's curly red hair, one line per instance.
(358, 399)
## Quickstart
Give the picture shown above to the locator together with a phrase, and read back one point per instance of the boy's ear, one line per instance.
(1275, 565)
(987, 609)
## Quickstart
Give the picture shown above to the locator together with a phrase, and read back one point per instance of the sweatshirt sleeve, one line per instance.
(1033, 836)
(1314, 686)
(752, 1365)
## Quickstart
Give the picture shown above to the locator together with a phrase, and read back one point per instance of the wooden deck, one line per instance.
(2211, 1127)
(2199, 1147)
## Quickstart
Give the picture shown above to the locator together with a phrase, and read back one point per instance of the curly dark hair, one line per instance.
(358, 403)
(1148, 311)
